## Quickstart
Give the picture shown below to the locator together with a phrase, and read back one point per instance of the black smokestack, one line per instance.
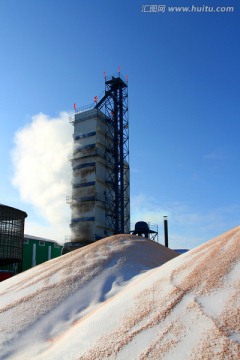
(165, 230)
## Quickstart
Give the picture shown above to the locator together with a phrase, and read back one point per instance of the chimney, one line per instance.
(165, 230)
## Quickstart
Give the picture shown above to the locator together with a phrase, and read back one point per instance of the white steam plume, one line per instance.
(42, 172)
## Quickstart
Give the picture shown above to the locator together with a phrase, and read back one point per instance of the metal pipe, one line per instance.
(165, 231)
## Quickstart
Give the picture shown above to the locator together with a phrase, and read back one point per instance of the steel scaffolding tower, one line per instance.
(115, 106)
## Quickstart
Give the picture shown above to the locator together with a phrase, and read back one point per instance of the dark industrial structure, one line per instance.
(11, 238)
(100, 200)
(144, 229)
(115, 106)
(165, 221)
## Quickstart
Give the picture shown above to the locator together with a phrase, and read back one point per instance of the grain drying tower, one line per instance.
(100, 201)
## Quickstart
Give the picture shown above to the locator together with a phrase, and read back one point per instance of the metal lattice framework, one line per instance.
(115, 106)
(11, 235)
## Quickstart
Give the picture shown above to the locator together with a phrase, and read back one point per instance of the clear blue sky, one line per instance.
(184, 107)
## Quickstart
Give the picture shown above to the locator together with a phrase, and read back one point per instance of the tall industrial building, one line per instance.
(100, 200)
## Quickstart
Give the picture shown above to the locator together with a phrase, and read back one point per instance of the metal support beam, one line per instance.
(115, 106)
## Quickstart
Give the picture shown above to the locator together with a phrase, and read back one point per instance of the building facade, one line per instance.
(37, 250)
(88, 201)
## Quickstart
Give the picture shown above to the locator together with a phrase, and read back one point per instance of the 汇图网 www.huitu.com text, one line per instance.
(188, 9)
